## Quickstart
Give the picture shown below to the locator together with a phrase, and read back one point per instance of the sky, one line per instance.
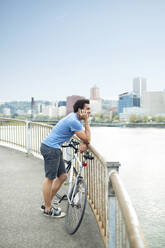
(51, 49)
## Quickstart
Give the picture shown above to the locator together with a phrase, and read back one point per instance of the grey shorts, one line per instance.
(53, 161)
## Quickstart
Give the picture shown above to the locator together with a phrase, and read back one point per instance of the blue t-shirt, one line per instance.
(63, 131)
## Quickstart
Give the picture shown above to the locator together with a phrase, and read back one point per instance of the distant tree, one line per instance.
(133, 118)
(60, 117)
(97, 117)
(21, 117)
(14, 116)
(153, 118)
(106, 117)
(42, 118)
(28, 117)
(144, 118)
(115, 118)
(114, 114)
(160, 118)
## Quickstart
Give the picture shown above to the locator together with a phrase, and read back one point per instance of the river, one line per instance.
(141, 152)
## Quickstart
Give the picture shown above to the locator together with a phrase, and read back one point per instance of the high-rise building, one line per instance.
(108, 104)
(153, 102)
(95, 100)
(40, 108)
(139, 86)
(70, 102)
(94, 93)
(96, 106)
(61, 111)
(61, 103)
(48, 110)
(127, 100)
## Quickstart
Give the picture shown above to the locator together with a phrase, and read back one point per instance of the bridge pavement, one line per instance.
(22, 224)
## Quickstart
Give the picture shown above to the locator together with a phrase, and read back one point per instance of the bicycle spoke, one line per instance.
(75, 211)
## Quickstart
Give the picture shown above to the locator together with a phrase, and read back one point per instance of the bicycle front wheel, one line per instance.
(76, 209)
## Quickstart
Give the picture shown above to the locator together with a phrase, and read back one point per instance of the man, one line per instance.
(55, 173)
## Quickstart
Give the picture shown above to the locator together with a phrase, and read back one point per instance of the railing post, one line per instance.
(27, 137)
(111, 207)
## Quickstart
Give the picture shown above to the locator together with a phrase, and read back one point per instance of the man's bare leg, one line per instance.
(47, 185)
(50, 188)
(57, 183)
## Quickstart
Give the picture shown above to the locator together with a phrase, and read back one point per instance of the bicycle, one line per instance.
(77, 190)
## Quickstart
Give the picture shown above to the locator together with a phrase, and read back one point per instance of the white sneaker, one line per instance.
(54, 213)
(54, 206)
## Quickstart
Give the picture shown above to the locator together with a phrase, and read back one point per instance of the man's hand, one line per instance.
(84, 135)
(82, 148)
(83, 114)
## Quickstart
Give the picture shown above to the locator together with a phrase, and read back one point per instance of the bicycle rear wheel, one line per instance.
(75, 211)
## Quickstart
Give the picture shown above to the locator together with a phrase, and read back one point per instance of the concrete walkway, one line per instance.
(22, 224)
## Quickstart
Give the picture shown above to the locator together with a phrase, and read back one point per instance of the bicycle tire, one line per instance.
(62, 193)
(72, 220)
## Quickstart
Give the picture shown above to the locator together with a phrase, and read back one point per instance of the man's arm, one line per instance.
(85, 135)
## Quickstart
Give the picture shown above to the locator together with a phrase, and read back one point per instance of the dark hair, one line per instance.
(80, 104)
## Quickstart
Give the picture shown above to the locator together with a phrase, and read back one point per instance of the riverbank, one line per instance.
(124, 124)
(106, 124)
(117, 124)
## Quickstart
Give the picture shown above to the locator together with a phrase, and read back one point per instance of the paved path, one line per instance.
(21, 222)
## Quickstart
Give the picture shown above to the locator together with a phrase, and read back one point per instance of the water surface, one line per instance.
(141, 152)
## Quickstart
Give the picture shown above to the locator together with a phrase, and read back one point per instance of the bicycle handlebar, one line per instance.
(74, 143)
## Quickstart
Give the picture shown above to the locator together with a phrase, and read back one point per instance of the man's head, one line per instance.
(82, 104)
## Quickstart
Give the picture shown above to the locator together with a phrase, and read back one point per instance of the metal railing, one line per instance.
(115, 215)
(130, 233)
(13, 133)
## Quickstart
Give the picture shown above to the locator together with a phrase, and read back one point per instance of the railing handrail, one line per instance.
(10, 119)
(135, 234)
(40, 124)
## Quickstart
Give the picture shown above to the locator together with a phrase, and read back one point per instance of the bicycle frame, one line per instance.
(71, 182)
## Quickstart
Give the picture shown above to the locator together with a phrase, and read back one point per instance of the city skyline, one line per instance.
(51, 50)
(58, 99)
